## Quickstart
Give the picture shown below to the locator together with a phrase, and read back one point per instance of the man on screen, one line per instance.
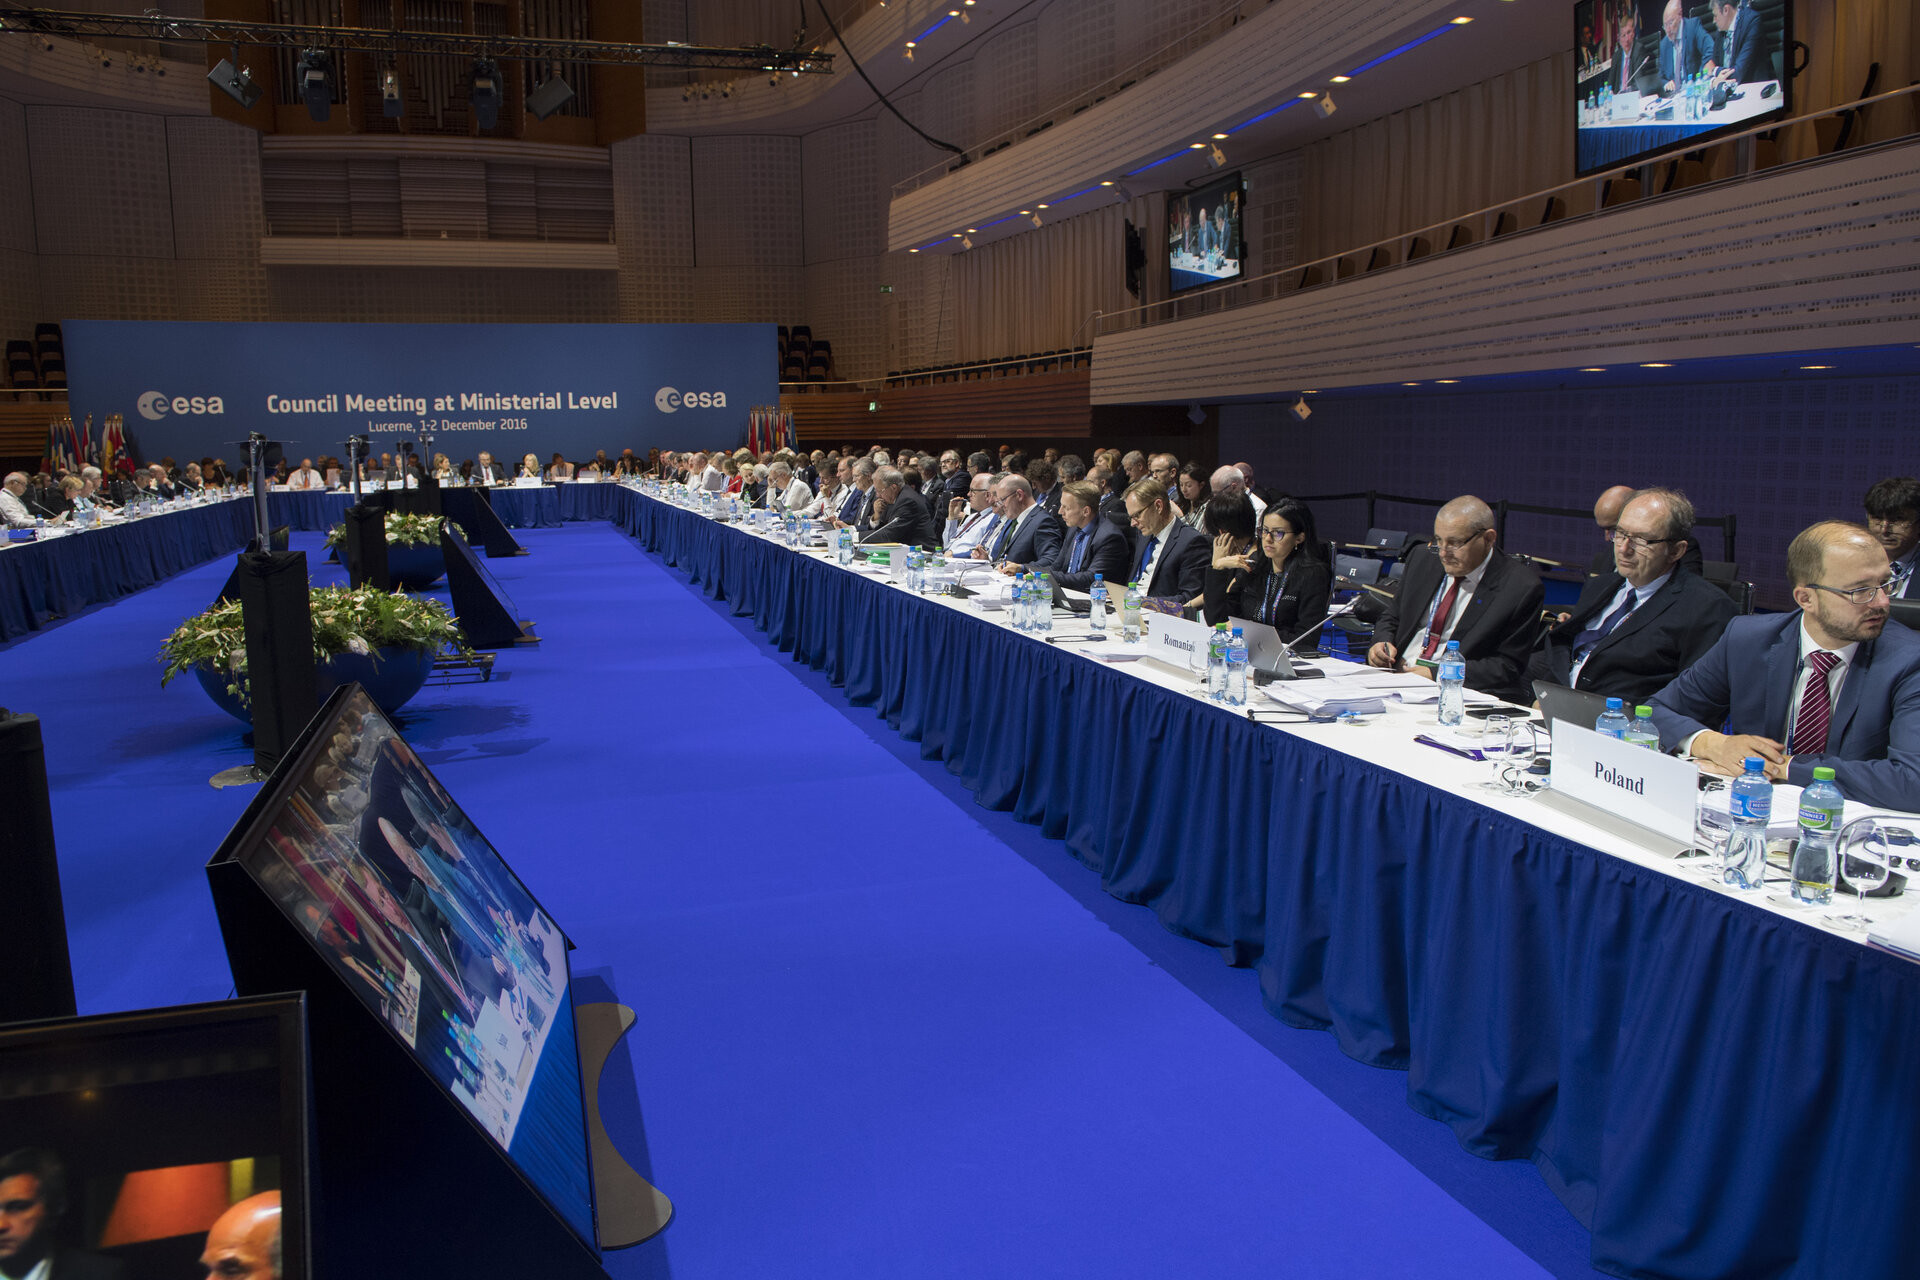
(1684, 48)
(1628, 66)
(245, 1242)
(33, 1198)
(1742, 59)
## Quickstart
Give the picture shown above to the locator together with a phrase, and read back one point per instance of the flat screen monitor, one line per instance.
(1652, 77)
(403, 898)
(1205, 242)
(158, 1144)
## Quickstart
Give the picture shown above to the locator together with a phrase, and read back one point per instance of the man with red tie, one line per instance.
(1831, 684)
(1459, 587)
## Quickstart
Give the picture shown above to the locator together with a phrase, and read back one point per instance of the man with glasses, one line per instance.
(1606, 514)
(1642, 624)
(971, 521)
(1893, 514)
(1459, 587)
(1830, 684)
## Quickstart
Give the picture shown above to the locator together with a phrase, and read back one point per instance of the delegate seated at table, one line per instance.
(1461, 588)
(13, 506)
(1638, 627)
(1743, 56)
(1171, 558)
(1029, 535)
(1831, 684)
(1685, 48)
(1090, 545)
(306, 477)
(900, 511)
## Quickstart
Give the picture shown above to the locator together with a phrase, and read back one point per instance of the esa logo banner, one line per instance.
(193, 390)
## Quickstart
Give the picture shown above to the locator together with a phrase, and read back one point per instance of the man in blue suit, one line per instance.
(1091, 545)
(1029, 536)
(1684, 48)
(1829, 685)
(1743, 59)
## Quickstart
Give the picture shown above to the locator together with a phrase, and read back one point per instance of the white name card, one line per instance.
(896, 564)
(1177, 642)
(1646, 788)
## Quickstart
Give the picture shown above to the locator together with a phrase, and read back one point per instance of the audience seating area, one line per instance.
(1064, 360)
(803, 357)
(38, 365)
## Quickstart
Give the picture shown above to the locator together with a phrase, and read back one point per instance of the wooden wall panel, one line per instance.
(1048, 405)
(619, 93)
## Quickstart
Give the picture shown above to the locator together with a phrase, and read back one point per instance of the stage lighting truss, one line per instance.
(389, 44)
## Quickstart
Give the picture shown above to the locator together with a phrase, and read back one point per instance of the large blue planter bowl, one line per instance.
(415, 567)
(391, 684)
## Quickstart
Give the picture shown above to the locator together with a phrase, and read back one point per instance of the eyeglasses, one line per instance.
(1457, 544)
(1860, 595)
(1276, 533)
(1637, 541)
(1903, 524)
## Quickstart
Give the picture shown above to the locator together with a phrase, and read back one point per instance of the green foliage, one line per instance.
(360, 620)
(403, 531)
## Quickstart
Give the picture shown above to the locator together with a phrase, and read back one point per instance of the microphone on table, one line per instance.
(1331, 615)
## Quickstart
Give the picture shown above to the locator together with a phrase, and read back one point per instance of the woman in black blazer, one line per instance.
(1285, 583)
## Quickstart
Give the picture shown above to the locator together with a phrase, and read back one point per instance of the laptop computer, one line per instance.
(1557, 703)
(1268, 655)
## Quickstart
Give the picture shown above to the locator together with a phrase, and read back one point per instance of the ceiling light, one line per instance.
(1039, 206)
(1461, 22)
(1446, 382)
(1340, 79)
(1595, 369)
(1656, 366)
(315, 76)
(1196, 146)
(1107, 183)
(391, 105)
(1309, 95)
(483, 93)
(913, 251)
(1816, 366)
(1219, 137)
(1409, 384)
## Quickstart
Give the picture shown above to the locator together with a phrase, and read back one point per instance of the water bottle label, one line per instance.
(1813, 819)
(1753, 808)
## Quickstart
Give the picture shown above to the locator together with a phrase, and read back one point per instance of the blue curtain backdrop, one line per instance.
(1705, 1085)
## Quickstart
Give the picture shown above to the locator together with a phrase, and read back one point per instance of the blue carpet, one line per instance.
(876, 1037)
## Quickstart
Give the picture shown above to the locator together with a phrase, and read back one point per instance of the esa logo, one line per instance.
(667, 400)
(155, 405)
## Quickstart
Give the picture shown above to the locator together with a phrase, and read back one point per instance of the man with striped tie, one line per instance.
(1831, 684)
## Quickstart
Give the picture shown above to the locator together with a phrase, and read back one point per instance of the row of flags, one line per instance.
(73, 447)
(769, 429)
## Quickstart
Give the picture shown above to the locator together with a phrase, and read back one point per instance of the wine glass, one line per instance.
(1868, 850)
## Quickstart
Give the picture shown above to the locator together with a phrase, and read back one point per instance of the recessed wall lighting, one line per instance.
(1107, 183)
(1196, 146)
(1219, 137)
(1446, 382)
(1656, 365)
(1309, 95)
(1816, 366)
(1594, 369)
(1461, 22)
(1409, 384)
(1340, 79)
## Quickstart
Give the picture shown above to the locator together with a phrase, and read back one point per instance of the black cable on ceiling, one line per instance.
(947, 146)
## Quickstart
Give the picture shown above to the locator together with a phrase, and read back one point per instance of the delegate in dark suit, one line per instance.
(1292, 602)
(1035, 540)
(1742, 51)
(1662, 637)
(1496, 632)
(909, 519)
(1179, 567)
(71, 1264)
(1746, 682)
(1602, 564)
(1681, 58)
(1103, 551)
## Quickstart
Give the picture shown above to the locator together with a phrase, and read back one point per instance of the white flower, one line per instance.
(356, 645)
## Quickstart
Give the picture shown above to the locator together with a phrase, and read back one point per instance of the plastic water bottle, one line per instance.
(1130, 614)
(1612, 722)
(1815, 856)
(1097, 611)
(1744, 864)
(843, 547)
(916, 571)
(1237, 670)
(1453, 685)
(1217, 662)
(1641, 732)
(1043, 603)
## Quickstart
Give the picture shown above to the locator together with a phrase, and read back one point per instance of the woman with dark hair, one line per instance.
(1284, 583)
(1231, 518)
(1195, 485)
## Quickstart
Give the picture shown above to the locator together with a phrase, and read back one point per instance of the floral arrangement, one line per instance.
(361, 620)
(403, 531)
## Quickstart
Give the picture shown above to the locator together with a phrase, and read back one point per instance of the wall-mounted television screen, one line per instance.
(1204, 234)
(390, 881)
(156, 1145)
(1656, 76)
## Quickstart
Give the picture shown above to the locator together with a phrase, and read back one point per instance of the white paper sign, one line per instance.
(1645, 787)
(1176, 641)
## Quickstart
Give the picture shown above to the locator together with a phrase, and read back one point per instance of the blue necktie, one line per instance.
(1146, 557)
(1080, 549)
(1592, 636)
(1000, 544)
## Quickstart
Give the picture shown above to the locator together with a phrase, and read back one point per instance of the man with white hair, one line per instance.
(13, 507)
(305, 477)
(786, 491)
(1231, 482)
(712, 479)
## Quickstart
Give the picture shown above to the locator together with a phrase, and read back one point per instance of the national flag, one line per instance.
(87, 454)
(58, 447)
(113, 447)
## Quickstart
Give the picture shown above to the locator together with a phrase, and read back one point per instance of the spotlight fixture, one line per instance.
(1324, 105)
(1195, 414)
(1300, 408)
(483, 93)
(1216, 157)
(391, 104)
(909, 51)
(554, 94)
(315, 77)
(236, 84)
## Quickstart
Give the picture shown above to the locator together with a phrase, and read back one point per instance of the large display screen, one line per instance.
(1653, 76)
(419, 915)
(1204, 244)
(156, 1146)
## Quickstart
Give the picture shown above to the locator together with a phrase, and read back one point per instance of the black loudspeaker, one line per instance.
(549, 98)
(33, 945)
(480, 603)
(366, 547)
(471, 510)
(281, 682)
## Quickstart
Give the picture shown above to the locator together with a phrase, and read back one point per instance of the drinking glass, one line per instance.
(1868, 850)
(1712, 823)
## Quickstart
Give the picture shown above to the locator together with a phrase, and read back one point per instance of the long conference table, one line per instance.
(1713, 1085)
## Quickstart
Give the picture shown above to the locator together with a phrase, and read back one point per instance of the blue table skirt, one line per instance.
(61, 576)
(1712, 1090)
(310, 512)
(543, 508)
(1600, 148)
(527, 508)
